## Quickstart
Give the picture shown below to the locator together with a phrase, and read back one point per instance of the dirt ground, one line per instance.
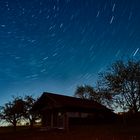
(97, 132)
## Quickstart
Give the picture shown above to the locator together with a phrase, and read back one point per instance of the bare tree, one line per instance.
(122, 80)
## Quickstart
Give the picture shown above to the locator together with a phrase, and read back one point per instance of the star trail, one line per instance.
(55, 45)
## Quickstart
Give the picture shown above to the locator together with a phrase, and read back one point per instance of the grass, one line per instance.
(94, 132)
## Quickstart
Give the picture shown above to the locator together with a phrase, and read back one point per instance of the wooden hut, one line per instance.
(59, 111)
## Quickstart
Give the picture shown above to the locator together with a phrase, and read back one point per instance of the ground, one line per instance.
(96, 132)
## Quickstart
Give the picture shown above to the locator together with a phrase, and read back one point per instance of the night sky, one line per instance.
(55, 45)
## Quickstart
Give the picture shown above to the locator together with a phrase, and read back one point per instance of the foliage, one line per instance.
(122, 80)
(29, 101)
(88, 92)
(84, 92)
(13, 111)
(17, 110)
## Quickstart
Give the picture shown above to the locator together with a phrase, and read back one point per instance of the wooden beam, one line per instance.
(66, 121)
(52, 119)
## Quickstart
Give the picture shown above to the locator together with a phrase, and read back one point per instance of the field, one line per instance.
(96, 132)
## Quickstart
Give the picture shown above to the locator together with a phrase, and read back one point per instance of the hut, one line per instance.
(60, 111)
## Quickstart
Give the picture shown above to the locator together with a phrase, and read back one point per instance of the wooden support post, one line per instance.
(52, 120)
(66, 121)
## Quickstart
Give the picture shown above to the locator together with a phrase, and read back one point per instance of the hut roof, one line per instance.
(57, 101)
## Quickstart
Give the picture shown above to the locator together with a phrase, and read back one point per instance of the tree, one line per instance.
(29, 101)
(13, 111)
(122, 80)
(87, 92)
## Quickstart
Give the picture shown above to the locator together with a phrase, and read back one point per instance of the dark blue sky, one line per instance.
(55, 45)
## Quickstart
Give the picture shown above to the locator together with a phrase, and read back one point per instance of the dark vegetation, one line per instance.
(118, 87)
(18, 110)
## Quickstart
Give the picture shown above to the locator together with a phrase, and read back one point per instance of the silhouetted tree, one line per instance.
(13, 111)
(122, 80)
(29, 101)
(105, 96)
(87, 92)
